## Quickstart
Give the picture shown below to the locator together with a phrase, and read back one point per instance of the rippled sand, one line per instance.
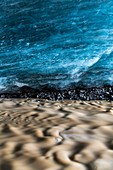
(56, 135)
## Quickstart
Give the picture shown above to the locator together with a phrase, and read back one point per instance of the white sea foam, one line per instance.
(20, 84)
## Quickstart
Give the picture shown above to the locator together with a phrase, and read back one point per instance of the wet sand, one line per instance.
(56, 135)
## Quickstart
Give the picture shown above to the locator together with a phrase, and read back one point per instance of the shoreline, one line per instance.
(56, 135)
(51, 93)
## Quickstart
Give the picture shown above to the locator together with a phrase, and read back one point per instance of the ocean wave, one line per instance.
(56, 43)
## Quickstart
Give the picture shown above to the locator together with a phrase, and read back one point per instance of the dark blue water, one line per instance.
(56, 43)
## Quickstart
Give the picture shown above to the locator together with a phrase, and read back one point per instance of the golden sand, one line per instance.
(56, 135)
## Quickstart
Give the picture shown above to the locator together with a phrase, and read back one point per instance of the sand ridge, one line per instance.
(56, 135)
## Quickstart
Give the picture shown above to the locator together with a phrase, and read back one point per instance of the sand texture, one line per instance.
(56, 135)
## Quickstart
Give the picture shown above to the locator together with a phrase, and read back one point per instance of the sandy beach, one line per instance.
(56, 135)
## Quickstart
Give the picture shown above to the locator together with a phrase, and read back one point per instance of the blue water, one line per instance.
(56, 43)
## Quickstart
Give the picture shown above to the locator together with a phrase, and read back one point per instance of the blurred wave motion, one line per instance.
(56, 43)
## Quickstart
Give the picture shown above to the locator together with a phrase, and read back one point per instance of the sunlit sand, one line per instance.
(56, 135)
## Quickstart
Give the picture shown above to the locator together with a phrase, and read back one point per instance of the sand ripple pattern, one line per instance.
(56, 135)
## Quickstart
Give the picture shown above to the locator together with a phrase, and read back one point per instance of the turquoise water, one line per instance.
(56, 43)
